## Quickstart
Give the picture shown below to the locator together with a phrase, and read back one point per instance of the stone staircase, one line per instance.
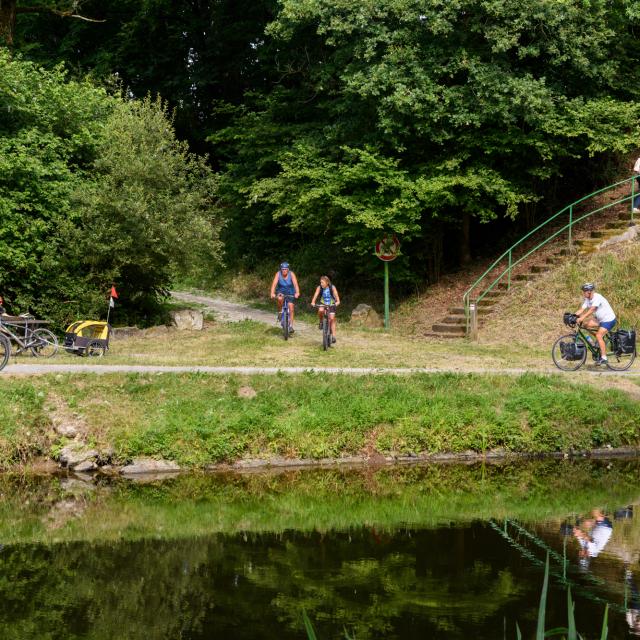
(454, 324)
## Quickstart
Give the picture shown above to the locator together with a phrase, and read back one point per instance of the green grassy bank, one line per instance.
(198, 419)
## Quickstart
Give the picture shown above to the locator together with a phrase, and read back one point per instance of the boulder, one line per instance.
(628, 236)
(187, 319)
(149, 465)
(247, 392)
(66, 430)
(75, 454)
(365, 316)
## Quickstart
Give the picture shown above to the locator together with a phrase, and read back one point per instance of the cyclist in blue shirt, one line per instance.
(329, 296)
(284, 284)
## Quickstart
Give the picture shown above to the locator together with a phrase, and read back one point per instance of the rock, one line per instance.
(75, 453)
(149, 465)
(125, 332)
(66, 430)
(187, 319)
(247, 392)
(87, 465)
(365, 316)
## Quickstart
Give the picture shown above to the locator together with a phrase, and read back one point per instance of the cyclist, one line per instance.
(597, 315)
(284, 284)
(329, 296)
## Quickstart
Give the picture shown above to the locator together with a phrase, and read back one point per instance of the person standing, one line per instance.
(284, 284)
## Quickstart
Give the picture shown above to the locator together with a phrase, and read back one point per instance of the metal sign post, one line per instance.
(387, 250)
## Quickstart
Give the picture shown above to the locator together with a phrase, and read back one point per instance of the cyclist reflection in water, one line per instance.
(592, 535)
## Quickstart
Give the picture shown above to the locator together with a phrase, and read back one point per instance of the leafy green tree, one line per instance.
(94, 189)
(403, 116)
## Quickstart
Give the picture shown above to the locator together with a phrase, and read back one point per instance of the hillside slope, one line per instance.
(532, 313)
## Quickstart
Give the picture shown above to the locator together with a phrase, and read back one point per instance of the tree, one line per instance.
(406, 116)
(10, 9)
(94, 189)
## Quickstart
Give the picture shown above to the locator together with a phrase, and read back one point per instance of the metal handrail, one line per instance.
(508, 254)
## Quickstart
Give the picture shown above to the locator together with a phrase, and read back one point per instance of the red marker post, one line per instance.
(387, 250)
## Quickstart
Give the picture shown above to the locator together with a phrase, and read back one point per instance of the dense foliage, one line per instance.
(93, 190)
(331, 122)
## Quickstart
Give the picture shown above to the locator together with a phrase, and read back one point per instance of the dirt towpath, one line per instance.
(227, 311)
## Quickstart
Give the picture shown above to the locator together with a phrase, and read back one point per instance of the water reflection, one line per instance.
(434, 552)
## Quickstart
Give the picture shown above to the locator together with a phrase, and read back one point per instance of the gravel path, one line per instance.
(233, 311)
(37, 369)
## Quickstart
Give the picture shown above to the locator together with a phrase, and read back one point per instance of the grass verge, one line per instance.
(198, 419)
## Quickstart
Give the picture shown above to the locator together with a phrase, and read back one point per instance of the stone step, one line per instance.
(605, 233)
(622, 224)
(555, 260)
(458, 329)
(525, 276)
(454, 319)
(540, 268)
(493, 294)
(448, 336)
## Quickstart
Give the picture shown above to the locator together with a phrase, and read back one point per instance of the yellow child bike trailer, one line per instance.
(87, 338)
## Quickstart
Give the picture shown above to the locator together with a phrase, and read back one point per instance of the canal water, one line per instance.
(407, 552)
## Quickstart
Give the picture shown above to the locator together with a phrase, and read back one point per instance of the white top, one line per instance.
(599, 537)
(636, 166)
(603, 312)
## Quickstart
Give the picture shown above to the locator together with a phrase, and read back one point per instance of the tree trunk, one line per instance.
(7, 20)
(465, 239)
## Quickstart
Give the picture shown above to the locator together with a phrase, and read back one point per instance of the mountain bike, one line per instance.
(285, 319)
(569, 352)
(40, 342)
(326, 325)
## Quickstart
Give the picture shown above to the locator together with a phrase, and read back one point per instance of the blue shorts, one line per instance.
(609, 325)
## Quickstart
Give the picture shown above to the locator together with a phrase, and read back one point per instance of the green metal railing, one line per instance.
(507, 258)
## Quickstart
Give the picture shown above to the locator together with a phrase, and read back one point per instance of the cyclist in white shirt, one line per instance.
(596, 314)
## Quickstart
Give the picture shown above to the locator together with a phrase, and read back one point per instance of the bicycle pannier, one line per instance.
(572, 350)
(625, 340)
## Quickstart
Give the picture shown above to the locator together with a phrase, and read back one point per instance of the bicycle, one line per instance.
(326, 325)
(569, 352)
(42, 343)
(5, 351)
(285, 321)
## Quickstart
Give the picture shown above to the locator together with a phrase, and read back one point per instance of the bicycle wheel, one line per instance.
(617, 361)
(45, 343)
(5, 351)
(94, 349)
(560, 353)
(326, 337)
(285, 322)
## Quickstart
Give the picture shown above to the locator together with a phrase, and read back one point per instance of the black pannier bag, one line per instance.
(625, 340)
(572, 350)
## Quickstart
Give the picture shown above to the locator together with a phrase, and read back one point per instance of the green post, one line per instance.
(633, 195)
(509, 272)
(570, 224)
(386, 295)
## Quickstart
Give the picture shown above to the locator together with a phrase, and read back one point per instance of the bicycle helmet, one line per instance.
(284, 265)
(588, 286)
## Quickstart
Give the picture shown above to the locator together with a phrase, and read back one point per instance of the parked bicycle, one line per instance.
(569, 352)
(326, 325)
(5, 351)
(285, 318)
(20, 331)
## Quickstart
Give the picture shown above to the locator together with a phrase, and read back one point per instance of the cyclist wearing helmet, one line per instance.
(285, 283)
(596, 314)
